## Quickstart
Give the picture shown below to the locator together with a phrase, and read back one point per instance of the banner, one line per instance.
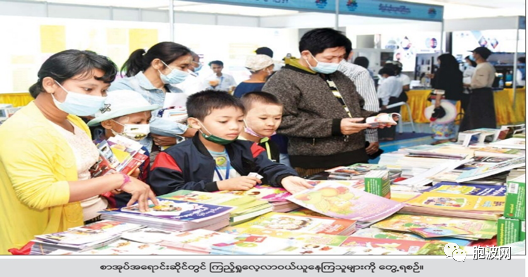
(382, 8)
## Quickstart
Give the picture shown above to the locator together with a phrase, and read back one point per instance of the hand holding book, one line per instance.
(383, 120)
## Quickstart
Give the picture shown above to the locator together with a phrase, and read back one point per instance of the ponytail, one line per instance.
(134, 64)
(36, 89)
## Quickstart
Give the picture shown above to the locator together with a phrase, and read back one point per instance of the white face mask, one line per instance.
(135, 132)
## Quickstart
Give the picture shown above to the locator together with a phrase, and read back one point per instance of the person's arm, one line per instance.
(165, 127)
(166, 176)
(293, 123)
(273, 172)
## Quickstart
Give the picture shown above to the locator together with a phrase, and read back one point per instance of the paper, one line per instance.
(177, 100)
(424, 178)
(385, 118)
(52, 38)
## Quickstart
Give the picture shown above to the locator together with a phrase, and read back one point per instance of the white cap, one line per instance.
(258, 62)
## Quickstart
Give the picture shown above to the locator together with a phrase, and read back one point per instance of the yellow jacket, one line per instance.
(35, 164)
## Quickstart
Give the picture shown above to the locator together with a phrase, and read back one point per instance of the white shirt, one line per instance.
(365, 87)
(387, 88)
(192, 84)
(468, 73)
(404, 79)
(224, 82)
(520, 81)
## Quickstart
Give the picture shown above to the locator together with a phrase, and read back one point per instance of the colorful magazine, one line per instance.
(467, 189)
(459, 202)
(481, 229)
(247, 244)
(384, 234)
(439, 231)
(394, 246)
(492, 169)
(198, 197)
(268, 193)
(337, 200)
(306, 238)
(301, 224)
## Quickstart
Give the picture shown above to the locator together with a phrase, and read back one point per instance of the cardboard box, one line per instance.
(508, 231)
(515, 206)
(377, 182)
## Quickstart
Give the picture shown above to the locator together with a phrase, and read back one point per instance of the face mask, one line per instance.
(321, 67)
(174, 77)
(215, 139)
(135, 132)
(78, 103)
(472, 58)
(250, 131)
(198, 68)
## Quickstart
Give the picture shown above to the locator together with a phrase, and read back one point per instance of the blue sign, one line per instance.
(378, 8)
(392, 9)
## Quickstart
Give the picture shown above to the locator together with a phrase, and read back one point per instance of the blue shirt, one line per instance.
(244, 88)
(153, 95)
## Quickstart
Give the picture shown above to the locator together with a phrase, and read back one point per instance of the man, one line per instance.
(521, 72)
(194, 82)
(366, 88)
(481, 109)
(322, 111)
(219, 80)
(404, 80)
(264, 51)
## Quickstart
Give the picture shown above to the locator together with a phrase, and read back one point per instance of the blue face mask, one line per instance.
(472, 58)
(78, 103)
(198, 68)
(174, 77)
(321, 67)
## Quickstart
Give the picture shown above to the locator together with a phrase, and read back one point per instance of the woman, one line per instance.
(480, 112)
(46, 152)
(448, 86)
(152, 73)
(389, 92)
(261, 67)
(469, 70)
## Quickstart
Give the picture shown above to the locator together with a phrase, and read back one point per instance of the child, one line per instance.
(214, 159)
(263, 117)
(125, 113)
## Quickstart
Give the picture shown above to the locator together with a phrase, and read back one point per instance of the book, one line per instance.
(339, 201)
(508, 231)
(439, 231)
(511, 143)
(377, 182)
(302, 224)
(247, 244)
(298, 237)
(173, 215)
(384, 234)
(480, 229)
(459, 202)
(393, 246)
(314, 249)
(353, 172)
(118, 154)
(383, 118)
(492, 169)
(489, 151)
(515, 206)
(467, 189)
(198, 197)
(274, 195)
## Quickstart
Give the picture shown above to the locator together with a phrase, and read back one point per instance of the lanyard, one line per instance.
(228, 168)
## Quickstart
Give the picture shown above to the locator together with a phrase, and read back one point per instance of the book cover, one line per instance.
(314, 249)
(434, 232)
(403, 247)
(512, 143)
(199, 196)
(467, 189)
(105, 151)
(384, 234)
(264, 192)
(299, 237)
(101, 167)
(481, 229)
(339, 201)
(355, 171)
(176, 210)
(516, 198)
(485, 171)
(459, 202)
(300, 223)
(247, 244)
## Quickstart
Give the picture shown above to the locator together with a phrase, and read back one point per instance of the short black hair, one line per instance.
(317, 40)
(522, 59)
(69, 63)
(261, 97)
(362, 61)
(201, 104)
(387, 69)
(220, 63)
(264, 51)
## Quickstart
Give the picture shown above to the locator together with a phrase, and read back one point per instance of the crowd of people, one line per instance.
(307, 117)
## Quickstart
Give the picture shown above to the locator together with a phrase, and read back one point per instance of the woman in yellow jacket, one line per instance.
(46, 151)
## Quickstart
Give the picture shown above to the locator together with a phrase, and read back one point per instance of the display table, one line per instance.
(505, 111)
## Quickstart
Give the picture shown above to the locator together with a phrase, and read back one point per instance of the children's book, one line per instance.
(467, 189)
(434, 232)
(314, 249)
(118, 154)
(358, 184)
(480, 229)
(353, 172)
(511, 143)
(247, 244)
(298, 237)
(490, 151)
(384, 234)
(199, 197)
(339, 201)
(383, 118)
(393, 246)
(198, 240)
(459, 202)
(125, 247)
(302, 224)
(264, 192)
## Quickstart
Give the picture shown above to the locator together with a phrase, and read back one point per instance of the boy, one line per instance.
(263, 117)
(128, 114)
(214, 159)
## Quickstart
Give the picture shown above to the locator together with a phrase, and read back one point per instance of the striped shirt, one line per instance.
(365, 87)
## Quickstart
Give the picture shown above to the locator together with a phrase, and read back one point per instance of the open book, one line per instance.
(383, 118)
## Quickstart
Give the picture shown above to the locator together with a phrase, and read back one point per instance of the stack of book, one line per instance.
(512, 226)
(511, 143)
(174, 215)
(245, 207)
(118, 154)
(274, 195)
(82, 238)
